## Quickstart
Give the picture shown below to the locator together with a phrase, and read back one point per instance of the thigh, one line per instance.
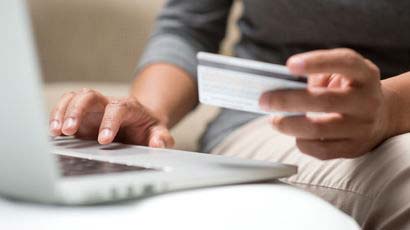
(374, 189)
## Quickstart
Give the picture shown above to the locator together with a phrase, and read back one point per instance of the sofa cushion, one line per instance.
(98, 40)
(91, 40)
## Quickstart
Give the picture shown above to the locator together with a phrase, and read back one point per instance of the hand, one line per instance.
(88, 114)
(348, 88)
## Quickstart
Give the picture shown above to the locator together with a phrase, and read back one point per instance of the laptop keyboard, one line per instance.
(75, 166)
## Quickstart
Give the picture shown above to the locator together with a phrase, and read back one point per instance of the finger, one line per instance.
(319, 80)
(160, 137)
(328, 150)
(77, 107)
(337, 81)
(114, 115)
(57, 115)
(310, 100)
(332, 126)
(343, 61)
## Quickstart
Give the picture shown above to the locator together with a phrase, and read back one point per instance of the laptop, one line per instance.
(36, 168)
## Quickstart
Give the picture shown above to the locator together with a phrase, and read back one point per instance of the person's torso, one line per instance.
(272, 30)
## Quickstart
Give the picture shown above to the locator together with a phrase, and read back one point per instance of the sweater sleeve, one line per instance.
(185, 27)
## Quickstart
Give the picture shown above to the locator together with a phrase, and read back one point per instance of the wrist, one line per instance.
(391, 114)
(167, 91)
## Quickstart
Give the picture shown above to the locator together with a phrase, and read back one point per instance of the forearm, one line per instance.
(183, 29)
(167, 90)
(397, 90)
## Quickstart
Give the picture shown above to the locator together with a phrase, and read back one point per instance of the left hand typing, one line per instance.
(347, 87)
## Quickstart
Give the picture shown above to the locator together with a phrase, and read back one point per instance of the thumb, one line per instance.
(160, 137)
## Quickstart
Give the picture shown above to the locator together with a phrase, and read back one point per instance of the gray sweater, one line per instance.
(273, 30)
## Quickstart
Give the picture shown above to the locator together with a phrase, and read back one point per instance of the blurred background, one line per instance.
(97, 44)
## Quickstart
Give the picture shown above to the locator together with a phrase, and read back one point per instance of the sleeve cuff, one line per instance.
(170, 49)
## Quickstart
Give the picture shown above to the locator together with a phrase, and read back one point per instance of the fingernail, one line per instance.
(265, 102)
(274, 118)
(69, 123)
(106, 134)
(297, 65)
(160, 143)
(54, 125)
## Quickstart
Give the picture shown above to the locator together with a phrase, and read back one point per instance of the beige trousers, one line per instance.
(373, 189)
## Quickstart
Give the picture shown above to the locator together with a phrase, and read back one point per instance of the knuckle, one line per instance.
(347, 52)
(131, 99)
(351, 60)
(74, 111)
(318, 62)
(373, 68)
(86, 90)
(89, 93)
(375, 71)
(133, 102)
(119, 103)
(350, 57)
(69, 94)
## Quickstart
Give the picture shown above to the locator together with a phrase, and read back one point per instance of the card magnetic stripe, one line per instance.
(252, 71)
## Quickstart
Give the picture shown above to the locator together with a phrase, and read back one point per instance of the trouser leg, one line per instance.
(373, 189)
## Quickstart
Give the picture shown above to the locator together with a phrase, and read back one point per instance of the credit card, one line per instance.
(236, 83)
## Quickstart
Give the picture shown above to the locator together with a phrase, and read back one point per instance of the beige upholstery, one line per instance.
(91, 40)
(95, 40)
(97, 43)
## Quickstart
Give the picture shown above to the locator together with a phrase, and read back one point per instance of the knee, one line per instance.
(391, 203)
(391, 206)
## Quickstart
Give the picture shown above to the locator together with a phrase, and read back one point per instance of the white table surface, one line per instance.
(256, 206)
